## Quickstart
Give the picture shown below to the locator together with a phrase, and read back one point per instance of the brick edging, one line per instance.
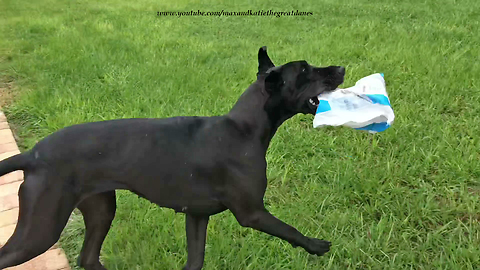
(54, 258)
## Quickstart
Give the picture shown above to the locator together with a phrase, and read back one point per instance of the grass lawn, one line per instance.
(407, 198)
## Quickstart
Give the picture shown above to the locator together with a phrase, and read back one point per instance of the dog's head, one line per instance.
(297, 84)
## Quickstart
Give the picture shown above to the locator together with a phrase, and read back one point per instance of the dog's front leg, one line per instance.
(252, 213)
(196, 227)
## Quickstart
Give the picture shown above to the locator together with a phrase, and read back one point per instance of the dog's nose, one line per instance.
(341, 70)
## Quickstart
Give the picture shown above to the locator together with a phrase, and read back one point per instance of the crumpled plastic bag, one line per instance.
(365, 106)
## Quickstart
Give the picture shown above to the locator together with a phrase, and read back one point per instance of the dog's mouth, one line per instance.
(332, 83)
(330, 79)
(313, 104)
(314, 101)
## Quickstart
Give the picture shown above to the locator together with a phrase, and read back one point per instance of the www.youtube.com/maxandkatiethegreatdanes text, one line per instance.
(249, 12)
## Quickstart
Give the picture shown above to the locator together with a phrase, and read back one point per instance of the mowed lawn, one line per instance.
(407, 198)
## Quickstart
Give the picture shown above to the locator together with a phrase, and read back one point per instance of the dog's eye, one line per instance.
(303, 69)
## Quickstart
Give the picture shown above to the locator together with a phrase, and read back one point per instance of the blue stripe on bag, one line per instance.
(323, 106)
(380, 99)
(377, 127)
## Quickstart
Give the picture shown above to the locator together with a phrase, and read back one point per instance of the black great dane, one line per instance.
(200, 166)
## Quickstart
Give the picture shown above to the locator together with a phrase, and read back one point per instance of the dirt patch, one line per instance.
(7, 91)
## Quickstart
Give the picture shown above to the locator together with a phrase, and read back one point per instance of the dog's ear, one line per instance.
(264, 62)
(274, 80)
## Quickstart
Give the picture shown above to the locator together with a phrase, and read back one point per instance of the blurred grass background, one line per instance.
(403, 199)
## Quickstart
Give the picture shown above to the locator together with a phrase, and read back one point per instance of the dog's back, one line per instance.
(172, 160)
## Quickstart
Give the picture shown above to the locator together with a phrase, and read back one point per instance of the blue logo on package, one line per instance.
(379, 99)
(323, 106)
(375, 127)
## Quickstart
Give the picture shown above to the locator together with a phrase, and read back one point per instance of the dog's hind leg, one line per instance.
(98, 212)
(44, 210)
(196, 227)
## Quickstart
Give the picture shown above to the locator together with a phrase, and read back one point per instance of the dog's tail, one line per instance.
(14, 163)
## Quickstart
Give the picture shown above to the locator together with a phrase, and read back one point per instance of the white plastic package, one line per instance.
(365, 106)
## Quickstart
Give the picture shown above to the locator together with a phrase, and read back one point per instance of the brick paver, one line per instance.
(6, 136)
(8, 202)
(4, 125)
(11, 177)
(8, 147)
(8, 217)
(10, 188)
(54, 258)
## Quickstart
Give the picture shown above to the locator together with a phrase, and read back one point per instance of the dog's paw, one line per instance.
(317, 246)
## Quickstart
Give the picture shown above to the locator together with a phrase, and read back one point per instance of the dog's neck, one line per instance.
(259, 114)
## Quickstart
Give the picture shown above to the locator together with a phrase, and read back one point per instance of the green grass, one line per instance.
(407, 198)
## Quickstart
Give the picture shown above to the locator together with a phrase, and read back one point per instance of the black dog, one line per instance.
(196, 165)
